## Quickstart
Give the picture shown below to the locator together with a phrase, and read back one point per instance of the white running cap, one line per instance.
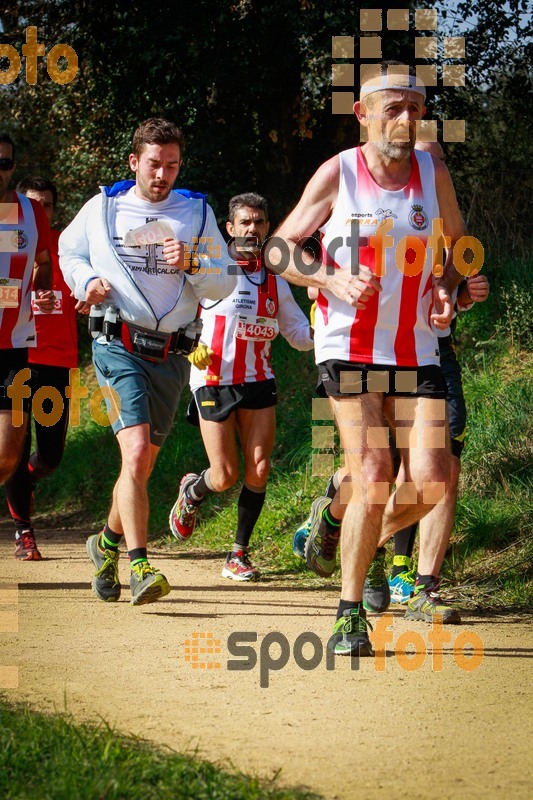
(393, 80)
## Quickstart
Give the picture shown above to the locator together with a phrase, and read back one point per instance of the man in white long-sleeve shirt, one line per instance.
(153, 276)
(237, 392)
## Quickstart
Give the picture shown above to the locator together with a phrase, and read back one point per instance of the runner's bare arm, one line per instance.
(452, 221)
(454, 228)
(313, 209)
(42, 282)
(42, 271)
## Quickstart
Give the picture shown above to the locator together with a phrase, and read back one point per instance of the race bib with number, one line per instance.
(58, 303)
(10, 292)
(152, 233)
(256, 329)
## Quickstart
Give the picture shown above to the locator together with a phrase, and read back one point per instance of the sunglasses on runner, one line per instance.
(6, 164)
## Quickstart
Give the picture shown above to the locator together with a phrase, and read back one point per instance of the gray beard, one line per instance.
(393, 151)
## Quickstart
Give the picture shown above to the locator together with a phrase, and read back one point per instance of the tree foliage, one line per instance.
(250, 83)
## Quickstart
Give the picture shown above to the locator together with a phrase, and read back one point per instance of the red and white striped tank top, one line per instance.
(394, 327)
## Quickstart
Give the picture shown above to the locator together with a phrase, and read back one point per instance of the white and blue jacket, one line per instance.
(86, 251)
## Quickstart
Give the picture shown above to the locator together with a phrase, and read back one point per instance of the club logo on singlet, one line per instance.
(385, 213)
(418, 218)
(19, 239)
(270, 306)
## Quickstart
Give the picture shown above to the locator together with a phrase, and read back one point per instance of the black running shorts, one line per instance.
(11, 362)
(216, 403)
(347, 378)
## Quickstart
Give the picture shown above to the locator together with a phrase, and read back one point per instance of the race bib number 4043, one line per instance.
(256, 329)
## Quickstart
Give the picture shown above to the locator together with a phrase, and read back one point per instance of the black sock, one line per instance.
(249, 507)
(426, 582)
(332, 487)
(347, 605)
(404, 541)
(108, 539)
(332, 522)
(138, 555)
(202, 486)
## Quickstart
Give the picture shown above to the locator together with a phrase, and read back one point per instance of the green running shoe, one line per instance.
(427, 602)
(350, 634)
(147, 584)
(321, 544)
(376, 591)
(106, 583)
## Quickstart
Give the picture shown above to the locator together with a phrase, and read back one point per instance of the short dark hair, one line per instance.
(249, 199)
(6, 138)
(157, 130)
(35, 183)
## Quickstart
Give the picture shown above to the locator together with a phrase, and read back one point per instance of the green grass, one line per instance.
(495, 508)
(52, 758)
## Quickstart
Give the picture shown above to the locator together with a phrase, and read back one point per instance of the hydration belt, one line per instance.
(155, 345)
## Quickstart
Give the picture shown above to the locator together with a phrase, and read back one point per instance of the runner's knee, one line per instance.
(224, 476)
(257, 474)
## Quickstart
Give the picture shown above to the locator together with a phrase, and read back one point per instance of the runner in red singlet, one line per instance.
(51, 360)
(24, 267)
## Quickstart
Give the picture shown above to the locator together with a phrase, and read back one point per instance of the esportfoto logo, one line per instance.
(410, 650)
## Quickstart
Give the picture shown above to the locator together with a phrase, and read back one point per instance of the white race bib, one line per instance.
(10, 292)
(58, 303)
(256, 329)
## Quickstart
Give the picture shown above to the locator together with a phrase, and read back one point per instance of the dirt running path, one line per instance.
(343, 733)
